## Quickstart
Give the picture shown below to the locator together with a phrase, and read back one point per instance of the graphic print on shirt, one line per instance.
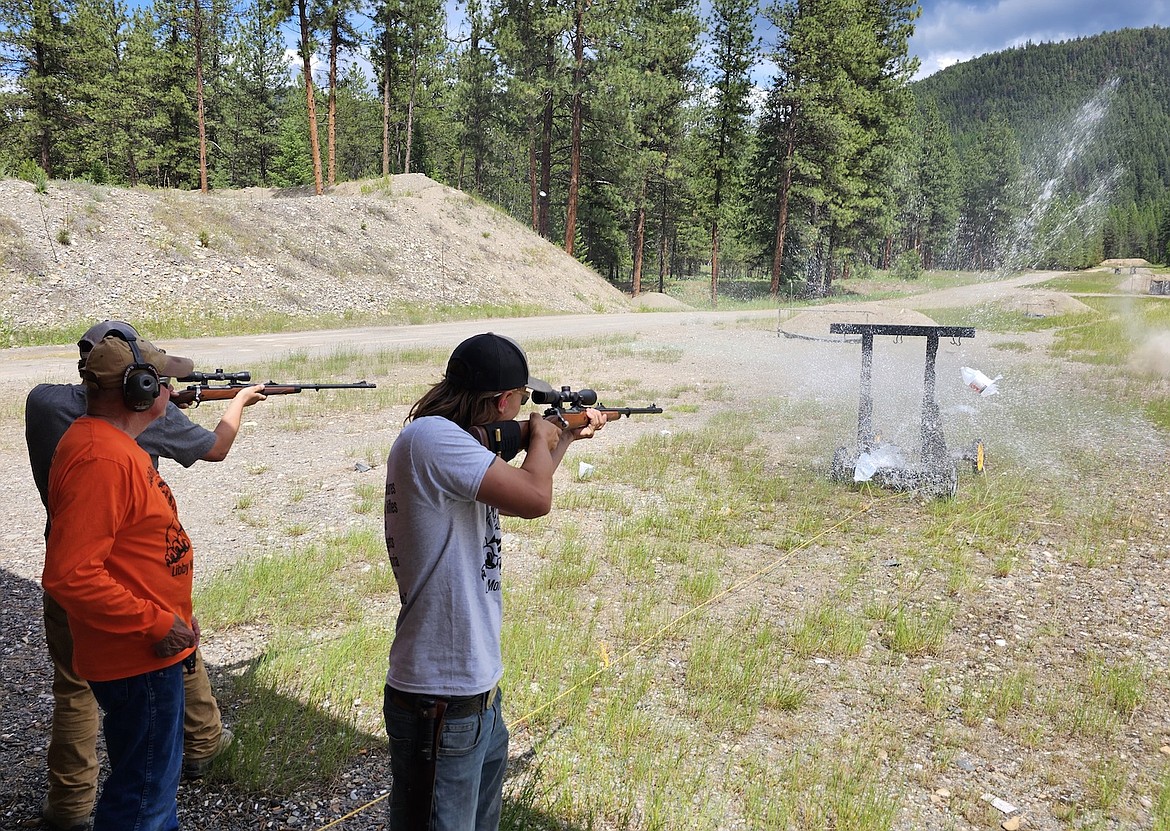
(390, 507)
(178, 543)
(492, 562)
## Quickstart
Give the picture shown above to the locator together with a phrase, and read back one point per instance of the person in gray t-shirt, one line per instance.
(444, 494)
(72, 753)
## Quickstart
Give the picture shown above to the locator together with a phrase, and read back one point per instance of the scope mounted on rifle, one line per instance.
(218, 375)
(563, 396)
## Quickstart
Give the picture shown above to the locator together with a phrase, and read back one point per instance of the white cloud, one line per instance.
(950, 31)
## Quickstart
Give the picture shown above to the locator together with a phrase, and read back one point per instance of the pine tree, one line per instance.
(342, 35)
(98, 144)
(660, 48)
(33, 46)
(255, 81)
(841, 103)
(308, 16)
(734, 53)
(990, 203)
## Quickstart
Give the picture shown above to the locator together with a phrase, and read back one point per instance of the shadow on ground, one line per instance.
(296, 796)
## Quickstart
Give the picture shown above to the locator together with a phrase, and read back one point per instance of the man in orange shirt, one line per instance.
(120, 564)
(72, 752)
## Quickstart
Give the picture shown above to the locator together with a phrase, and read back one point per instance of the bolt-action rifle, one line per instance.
(566, 409)
(202, 389)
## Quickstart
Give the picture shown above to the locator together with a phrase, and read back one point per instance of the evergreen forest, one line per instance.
(641, 137)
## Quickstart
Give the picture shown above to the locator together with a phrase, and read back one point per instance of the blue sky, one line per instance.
(950, 31)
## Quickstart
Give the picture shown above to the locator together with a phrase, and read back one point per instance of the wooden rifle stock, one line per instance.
(198, 393)
(565, 418)
(572, 419)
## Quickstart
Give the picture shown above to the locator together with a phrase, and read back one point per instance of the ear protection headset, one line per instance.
(140, 381)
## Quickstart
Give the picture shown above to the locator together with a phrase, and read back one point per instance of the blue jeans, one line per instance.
(143, 723)
(469, 769)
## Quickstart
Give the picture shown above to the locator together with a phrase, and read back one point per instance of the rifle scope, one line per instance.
(557, 398)
(218, 375)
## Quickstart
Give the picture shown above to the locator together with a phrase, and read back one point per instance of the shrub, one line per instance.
(30, 171)
(908, 266)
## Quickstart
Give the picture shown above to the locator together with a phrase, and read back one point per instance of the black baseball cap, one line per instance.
(97, 333)
(491, 363)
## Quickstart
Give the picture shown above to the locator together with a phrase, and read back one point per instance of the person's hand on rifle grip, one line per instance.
(542, 430)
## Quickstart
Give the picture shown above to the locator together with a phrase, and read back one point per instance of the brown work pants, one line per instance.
(73, 762)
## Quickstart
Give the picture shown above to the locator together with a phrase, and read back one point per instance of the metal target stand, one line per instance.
(935, 473)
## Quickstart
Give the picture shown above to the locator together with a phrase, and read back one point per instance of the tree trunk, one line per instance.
(386, 107)
(310, 97)
(197, 20)
(782, 211)
(575, 129)
(546, 130)
(714, 263)
(662, 235)
(639, 241)
(334, 38)
(532, 184)
(477, 117)
(43, 140)
(410, 111)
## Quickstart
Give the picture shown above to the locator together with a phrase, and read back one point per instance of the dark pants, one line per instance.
(143, 724)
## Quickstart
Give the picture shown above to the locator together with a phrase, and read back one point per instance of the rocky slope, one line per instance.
(373, 250)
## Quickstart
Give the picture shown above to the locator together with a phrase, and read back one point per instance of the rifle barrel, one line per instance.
(211, 392)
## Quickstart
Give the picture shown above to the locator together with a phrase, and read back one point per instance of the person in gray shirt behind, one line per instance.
(72, 757)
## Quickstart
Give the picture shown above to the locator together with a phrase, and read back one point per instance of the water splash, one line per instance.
(1056, 214)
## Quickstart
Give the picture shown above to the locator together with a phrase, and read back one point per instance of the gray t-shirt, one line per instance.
(51, 408)
(444, 548)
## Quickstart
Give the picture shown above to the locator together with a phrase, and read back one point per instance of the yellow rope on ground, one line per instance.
(780, 560)
(354, 812)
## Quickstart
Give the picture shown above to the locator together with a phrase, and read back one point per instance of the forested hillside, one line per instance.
(629, 134)
(1033, 97)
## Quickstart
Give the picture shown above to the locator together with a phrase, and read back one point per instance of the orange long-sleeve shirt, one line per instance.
(118, 560)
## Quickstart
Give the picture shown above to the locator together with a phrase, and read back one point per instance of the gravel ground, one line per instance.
(279, 451)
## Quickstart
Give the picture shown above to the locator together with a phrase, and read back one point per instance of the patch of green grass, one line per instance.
(993, 318)
(370, 497)
(997, 698)
(1158, 412)
(1122, 686)
(828, 630)
(1161, 811)
(1084, 282)
(322, 582)
(842, 789)
(194, 322)
(297, 707)
(731, 671)
(919, 634)
(1108, 782)
(1120, 326)
(1017, 346)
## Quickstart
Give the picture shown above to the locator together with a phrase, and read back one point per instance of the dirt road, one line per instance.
(55, 362)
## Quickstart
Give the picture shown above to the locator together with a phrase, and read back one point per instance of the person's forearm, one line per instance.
(226, 431)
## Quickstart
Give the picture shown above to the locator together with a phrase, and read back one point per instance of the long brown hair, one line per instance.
(460, 406)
